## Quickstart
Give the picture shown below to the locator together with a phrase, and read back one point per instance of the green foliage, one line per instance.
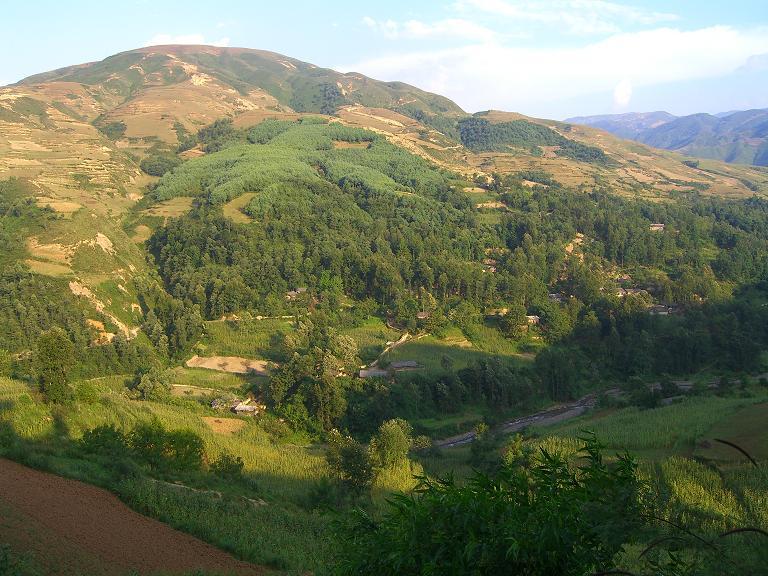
(161, 449)
(157, 164)
(390, 447)
(548, 520)
(154, 384)
(350, 461)
(480, 135)
(54, 359)
(112, 130)
(228, 466)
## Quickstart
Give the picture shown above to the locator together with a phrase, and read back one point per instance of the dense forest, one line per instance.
(621, 287)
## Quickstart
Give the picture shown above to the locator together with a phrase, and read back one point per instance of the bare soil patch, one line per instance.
(234, 364)
(141, 233)
(223, 425)
(61, 206)
(340, 144)
(74, 528)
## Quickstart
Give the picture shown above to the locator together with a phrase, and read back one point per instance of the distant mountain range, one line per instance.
(736, 136)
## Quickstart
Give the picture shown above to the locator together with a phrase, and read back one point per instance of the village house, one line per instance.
(293, 294)
(656, 228)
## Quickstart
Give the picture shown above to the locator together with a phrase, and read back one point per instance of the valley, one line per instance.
(259, 301)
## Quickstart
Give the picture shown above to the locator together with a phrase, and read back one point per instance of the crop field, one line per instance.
(251, 338)
(429, 350)
(673, 429)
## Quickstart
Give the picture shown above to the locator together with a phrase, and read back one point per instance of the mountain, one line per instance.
(77, 138)
(234, 288)
(629, 125)
(734, 137)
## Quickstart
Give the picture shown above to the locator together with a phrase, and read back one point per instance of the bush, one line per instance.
(228, 466)
(157, 165)
(104, 440)
(549, 520)
(178, 450)
(154, 384)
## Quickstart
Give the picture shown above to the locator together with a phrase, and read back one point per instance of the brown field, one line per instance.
(340, 144)
(172, 208)
(223, 425)
(141, 234)
(233, 364)
(48, 268)
(57, 205)
(233, 208)
(71, 528)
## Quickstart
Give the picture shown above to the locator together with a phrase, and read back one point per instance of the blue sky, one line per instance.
(546, 58)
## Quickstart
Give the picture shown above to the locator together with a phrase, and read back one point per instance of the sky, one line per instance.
(544, 58)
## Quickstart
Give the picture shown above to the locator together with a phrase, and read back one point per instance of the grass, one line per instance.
(668, 430)
(371, 338)
(246, 338)
(429, 350)
(234, 208)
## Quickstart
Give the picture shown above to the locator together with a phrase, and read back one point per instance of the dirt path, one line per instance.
(73, 528)
(545, 417)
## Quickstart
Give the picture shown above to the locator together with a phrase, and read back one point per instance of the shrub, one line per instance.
(178, 450)
(549, 520)
(157, 165)
(228, 466)
(154, 384)
(104, 440)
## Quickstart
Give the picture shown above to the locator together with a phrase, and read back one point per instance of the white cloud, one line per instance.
(574, 16)
(418, 30)
(622, 94)
(163, 39)
(530, 79)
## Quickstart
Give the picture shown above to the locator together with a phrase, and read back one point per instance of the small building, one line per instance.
(533, 319)
(656, 227)
(404, 365)
(293, 294)
(660, 310)
(422, 315)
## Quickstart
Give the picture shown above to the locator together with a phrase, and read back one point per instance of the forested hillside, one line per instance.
(242, 292)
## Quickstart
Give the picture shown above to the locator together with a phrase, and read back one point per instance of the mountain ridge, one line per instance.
(737, 136)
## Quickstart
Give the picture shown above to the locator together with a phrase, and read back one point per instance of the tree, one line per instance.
(154, 384)
(54, 360)
(514, 322)
(551, 519)
(350, 461)
(390, 447)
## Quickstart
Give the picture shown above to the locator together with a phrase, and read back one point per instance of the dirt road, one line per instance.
(73, 528)
(545, 417)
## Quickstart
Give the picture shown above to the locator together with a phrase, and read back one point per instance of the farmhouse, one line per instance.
(293, 294)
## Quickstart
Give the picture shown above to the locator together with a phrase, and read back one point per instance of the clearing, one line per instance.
(234, 208)
(73, 528)
(234, 364)
(225, 426)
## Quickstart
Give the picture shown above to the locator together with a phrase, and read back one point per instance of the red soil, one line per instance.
(73, 528)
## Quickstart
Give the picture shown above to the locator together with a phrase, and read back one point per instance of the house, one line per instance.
(293, 294)
(656, 228)
(533, 319)
(404, 365)
(621, 292)
(661, 310)
(423, 315)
